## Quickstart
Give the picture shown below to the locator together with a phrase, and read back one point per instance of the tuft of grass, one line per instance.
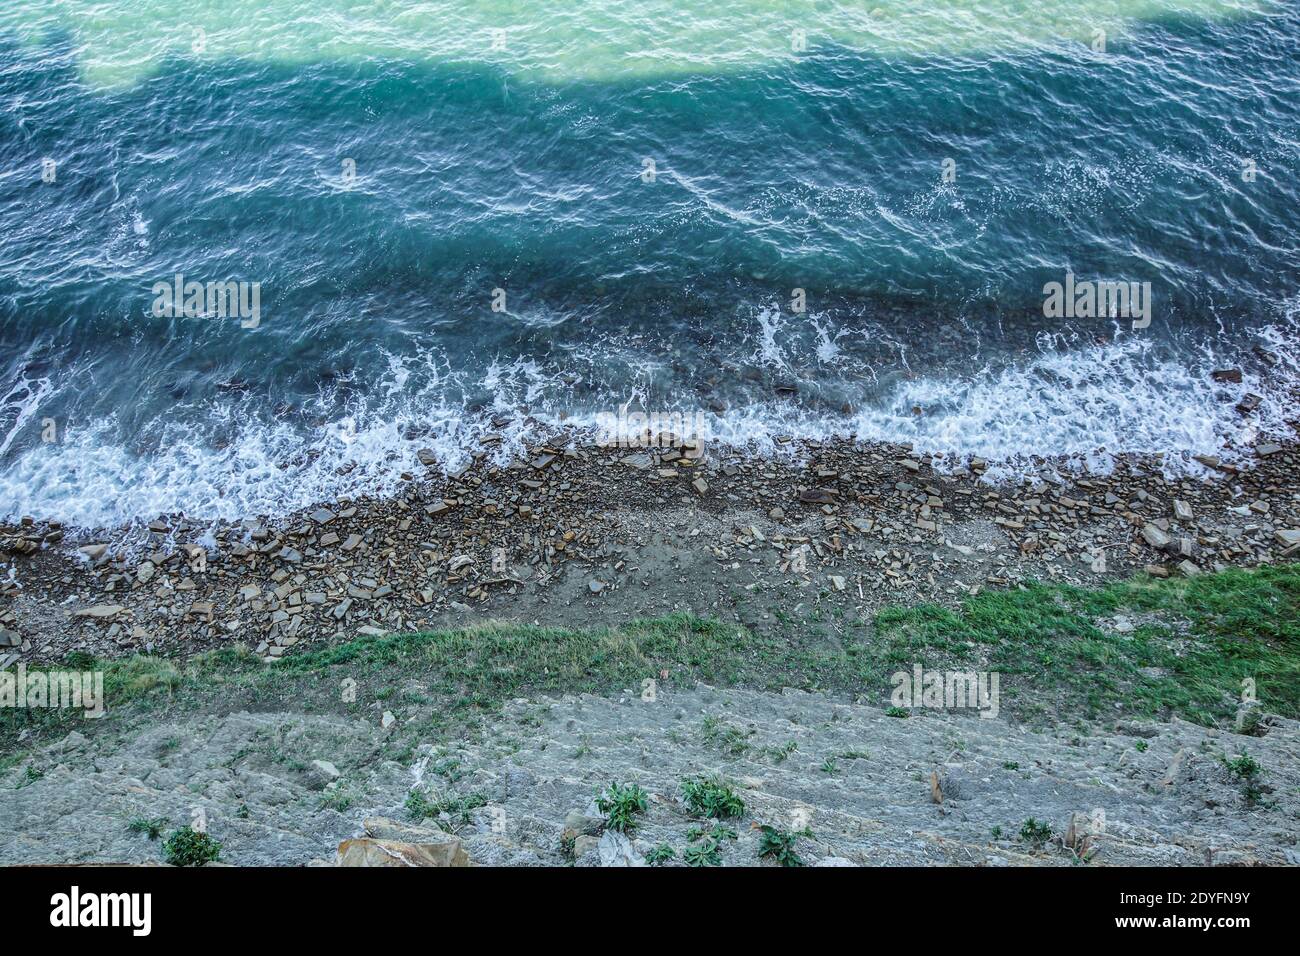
(190, 847)
(1247, 769)
(152, 828)
(1035, 833)
(622, 804)
(422, 806)
(1199, 639)
(712, 798)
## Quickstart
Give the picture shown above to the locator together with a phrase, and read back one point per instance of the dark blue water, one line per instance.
(1171, 160)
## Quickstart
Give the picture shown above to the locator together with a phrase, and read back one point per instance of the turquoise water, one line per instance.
(919, 170)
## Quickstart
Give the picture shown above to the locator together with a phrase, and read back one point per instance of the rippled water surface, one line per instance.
(647, 184)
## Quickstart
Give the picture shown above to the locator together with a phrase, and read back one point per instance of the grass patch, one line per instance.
(1196, 640)
(152, 828)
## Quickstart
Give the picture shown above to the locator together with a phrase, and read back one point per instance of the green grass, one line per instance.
(1197, 639)
(1200, 637)
(152, 828)
(420, 806)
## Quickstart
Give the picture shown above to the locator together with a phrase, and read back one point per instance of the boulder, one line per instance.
(367, 851)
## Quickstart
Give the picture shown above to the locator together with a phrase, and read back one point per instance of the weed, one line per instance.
(621, 806)
(660, 854)
(779, 844)
(190, 847)
(710, 797)
(151, 828)
(1035, 833)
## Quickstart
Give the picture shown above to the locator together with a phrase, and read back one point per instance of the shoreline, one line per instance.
(578, 534)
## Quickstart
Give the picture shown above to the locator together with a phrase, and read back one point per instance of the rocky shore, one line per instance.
(576, 534)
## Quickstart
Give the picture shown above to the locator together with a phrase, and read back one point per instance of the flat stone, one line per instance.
(100, 611)
(366, 851)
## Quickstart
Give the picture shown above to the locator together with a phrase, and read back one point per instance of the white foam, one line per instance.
(1079, 407)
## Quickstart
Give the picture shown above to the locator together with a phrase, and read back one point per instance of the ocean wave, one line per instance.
(1057, 411)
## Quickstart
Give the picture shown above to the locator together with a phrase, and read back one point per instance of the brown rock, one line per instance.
(367, 851)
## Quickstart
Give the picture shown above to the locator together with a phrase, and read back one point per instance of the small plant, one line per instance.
(420, 806)
(706, 846)
(702, 854)
(190, 847)
(621, 806)
(779, 844)
(31, 774)
(997, 832)
(726, 737)
(336, 800)
(661, 854)
(897, 712)
(779, 754)
(1251, 723)
(829, 766)
(1011, 765)
(1247, 769)
(1035, 833)
(710, 797)
(1141, 746)
(1243, 766)
(449, 769)
(151, 828)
